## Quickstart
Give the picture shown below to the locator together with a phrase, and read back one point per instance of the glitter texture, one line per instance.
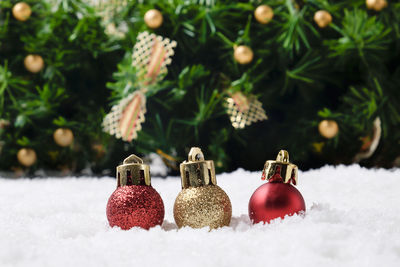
(135, 206)
(202, 206)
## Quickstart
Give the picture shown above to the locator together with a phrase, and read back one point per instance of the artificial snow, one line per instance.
(352, 219)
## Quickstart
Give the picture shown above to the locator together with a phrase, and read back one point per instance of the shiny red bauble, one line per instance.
(273, 200)
(135, 206)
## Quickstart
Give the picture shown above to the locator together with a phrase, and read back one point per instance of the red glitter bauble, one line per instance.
(274, 200)
(135, 206)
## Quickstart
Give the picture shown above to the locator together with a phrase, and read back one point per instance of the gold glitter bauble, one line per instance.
(21, 11)
(26, 156)
(243, 54)
(263, 14)
(203, 206)
(323, 18)
(328, 128)
(34, 63)
(153, 18)
(63, 137)
(376, 5)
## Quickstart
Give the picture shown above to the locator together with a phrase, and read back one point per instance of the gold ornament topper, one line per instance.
(133, 172)
(197, 171)
(280, 170)
(243, 110)
(151, 56)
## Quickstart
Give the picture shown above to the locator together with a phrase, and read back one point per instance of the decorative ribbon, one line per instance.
(244, 110)
(151, 55)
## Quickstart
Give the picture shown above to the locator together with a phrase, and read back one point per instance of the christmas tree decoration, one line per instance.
(244, 110)
(277, 198)
(376, 5)
(201, 203)
(113, 30)
(328, 128)
(135, 203)
(151, 56)
(34, 63)
(347, 71)
(125, 119)
(243, 54)
(4, 123)
(26, 156)
(63, 137)
(168, 160)
(370, 142)
(323, 18)
(263, 14)
(21, 11)
(109, 10)
(153, 18)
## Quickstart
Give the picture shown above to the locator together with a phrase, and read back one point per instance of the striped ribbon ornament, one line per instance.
(151, 55)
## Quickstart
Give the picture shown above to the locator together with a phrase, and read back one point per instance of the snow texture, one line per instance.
(352, 219)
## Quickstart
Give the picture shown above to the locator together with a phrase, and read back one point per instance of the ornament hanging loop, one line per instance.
(133, 159)
(195, 154)
(280, 170)
(283, 156)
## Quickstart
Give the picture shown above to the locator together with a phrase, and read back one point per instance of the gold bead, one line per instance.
(34, 63)
(4, 123)
(263, 14)
(371, 3)
(323, 18)
(202, 206)
(63, 137)
(376, 5)
(328, 128)
(243, 54)
(21, 11)
(381, 5)
(153, 18)
(26, 156)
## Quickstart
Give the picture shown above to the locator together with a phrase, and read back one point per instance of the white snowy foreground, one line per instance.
(352, 219)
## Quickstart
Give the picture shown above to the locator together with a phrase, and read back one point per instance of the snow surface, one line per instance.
(352, 219)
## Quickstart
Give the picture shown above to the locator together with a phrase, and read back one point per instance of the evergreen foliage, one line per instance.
(348, 72)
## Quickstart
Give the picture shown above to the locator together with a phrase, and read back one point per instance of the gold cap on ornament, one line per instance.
(133, 172)
(197, 171)
(280, 170)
